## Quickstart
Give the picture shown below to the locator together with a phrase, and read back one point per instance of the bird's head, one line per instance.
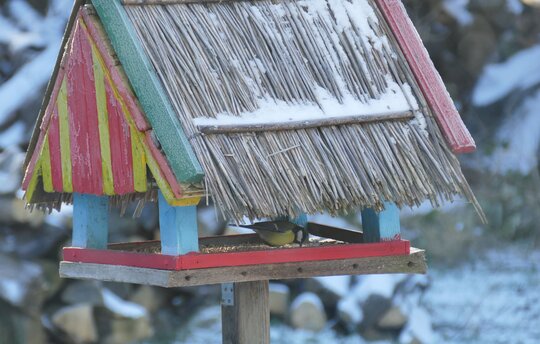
(301, 235)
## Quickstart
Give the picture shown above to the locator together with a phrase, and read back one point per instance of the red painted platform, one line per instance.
(124, 255)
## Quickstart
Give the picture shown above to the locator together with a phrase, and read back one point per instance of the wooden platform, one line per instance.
(229, 251)
(411, 263)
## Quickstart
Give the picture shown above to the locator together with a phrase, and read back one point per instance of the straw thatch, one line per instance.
(232, 57)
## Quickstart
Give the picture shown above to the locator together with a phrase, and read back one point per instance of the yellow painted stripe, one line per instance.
(29, 195)
(139, 161)
(137, 150)
(138, 138)
(46, 166)
(142, 156)
(103, 122)
(156, 171)
(65, 146)
(153, 166)
(185, 202)
(164, 185)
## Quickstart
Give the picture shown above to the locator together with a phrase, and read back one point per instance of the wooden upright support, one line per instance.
(178, 228)
(245, 313)
(383, 226)
(90, 221)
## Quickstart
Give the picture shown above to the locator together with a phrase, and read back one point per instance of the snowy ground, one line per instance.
(494, 299)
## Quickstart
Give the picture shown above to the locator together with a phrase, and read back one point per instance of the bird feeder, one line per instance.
(273, 109)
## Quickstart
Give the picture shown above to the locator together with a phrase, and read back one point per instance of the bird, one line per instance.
(280, 232)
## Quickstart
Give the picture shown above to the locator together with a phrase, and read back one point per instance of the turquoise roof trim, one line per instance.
(149, 90)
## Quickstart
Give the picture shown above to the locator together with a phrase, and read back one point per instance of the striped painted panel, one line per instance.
(88, 146)
(87, 176)
(55, 152)
(94, 138)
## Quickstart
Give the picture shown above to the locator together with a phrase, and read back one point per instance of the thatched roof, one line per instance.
(327, 113)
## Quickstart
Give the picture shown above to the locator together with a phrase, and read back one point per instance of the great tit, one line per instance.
(279, 233)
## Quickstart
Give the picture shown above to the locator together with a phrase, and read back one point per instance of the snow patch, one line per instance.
(11, 162)
(122, 307)
(282, 334)
(339, 285)
(514, 6)
(27, 82)
(498, 80)
(346, 13)
(354, 18)
(30, 29)
(11, 291)
(13, 136)
(278, 111)
(309, 298)
(383, 285)
(418, 329)
(278, 288)
(486, 299)
(350, 307)
(60, 219)
(521, 135)
(458, 10)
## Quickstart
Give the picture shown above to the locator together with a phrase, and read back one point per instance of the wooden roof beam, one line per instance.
(304, 124)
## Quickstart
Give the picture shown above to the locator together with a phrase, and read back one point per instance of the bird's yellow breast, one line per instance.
(277, 239)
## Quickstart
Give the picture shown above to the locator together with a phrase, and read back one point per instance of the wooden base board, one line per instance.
(236, 254)
(414, 262)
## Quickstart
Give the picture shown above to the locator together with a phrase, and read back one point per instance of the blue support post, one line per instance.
(383, 226)
(90, 221)
(178, 228)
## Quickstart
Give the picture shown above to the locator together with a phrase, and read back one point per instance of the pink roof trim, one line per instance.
(429, 80)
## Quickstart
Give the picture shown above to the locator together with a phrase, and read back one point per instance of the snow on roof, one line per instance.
(394, 100)
(237, 63)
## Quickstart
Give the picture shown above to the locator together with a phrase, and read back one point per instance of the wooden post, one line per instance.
(178, 228)
(90, 221)
(383, 226)
(245, 314)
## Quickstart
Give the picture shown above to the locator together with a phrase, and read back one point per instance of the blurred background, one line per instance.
(483, 284)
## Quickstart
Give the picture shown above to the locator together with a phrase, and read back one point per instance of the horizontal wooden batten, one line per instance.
(413, 262)
(304, 124)
(192, 261)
